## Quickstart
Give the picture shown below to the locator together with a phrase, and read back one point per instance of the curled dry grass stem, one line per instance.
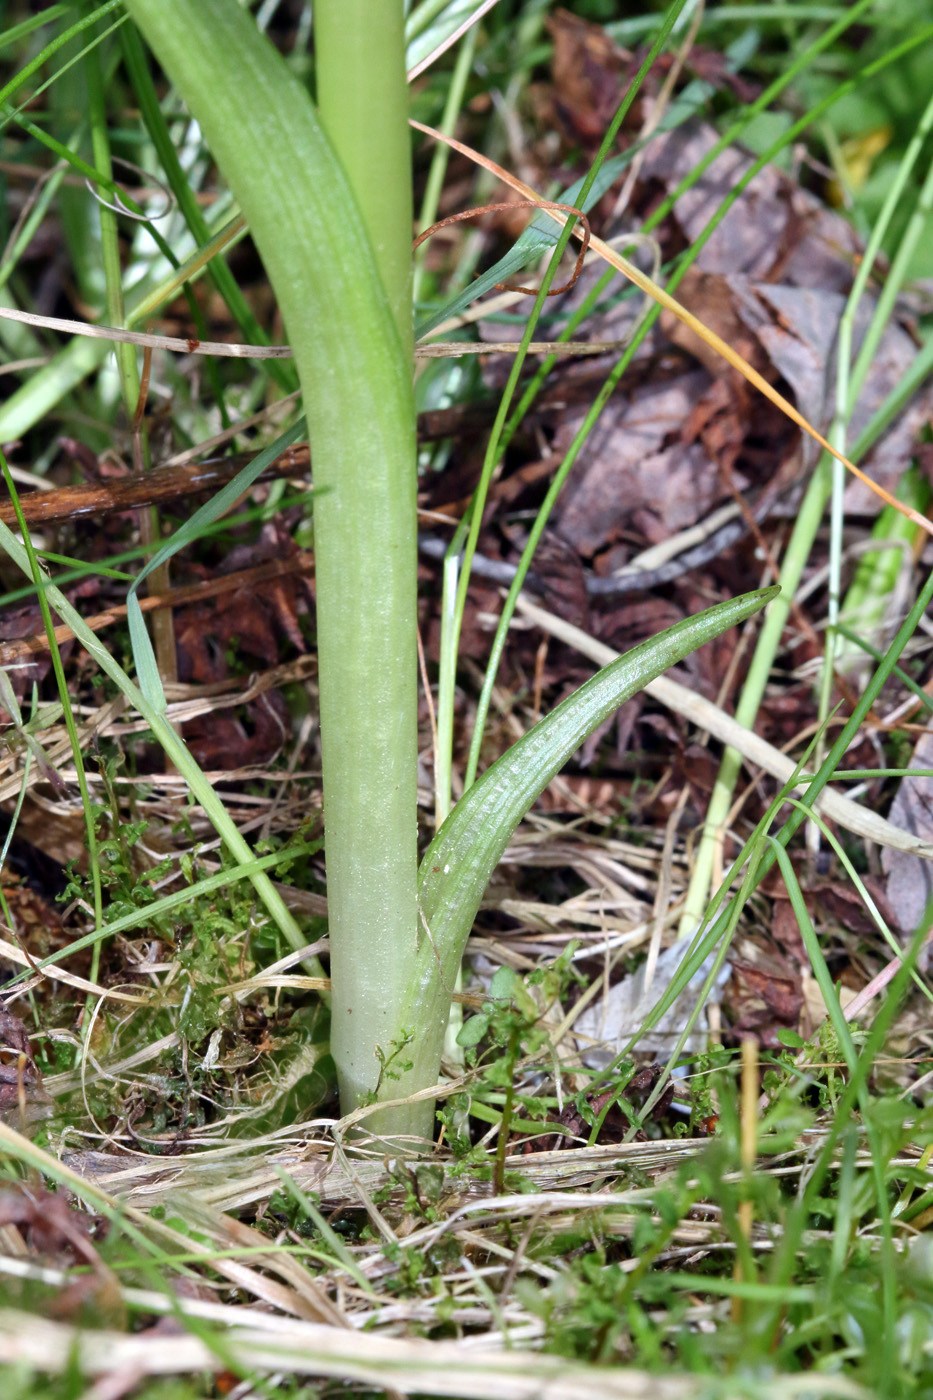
(567, 209)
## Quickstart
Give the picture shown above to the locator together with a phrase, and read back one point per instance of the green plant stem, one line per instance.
(366, 569)
(347, 330)
(362, 97)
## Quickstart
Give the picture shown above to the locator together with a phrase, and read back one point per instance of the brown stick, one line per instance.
(141, 489)
(164, 484)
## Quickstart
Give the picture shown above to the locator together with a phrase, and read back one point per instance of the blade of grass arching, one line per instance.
(150, 109)
(16, 114)
(458, 863)
(147, 668)
(163, 622)
(122, 1217)
(164, 734)
(492, 452)
(34, 569)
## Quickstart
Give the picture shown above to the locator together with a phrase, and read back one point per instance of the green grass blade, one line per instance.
(147, 669)
(171, 742)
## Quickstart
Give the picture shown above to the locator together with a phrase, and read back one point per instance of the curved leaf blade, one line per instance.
(459, 861)
(461, 858)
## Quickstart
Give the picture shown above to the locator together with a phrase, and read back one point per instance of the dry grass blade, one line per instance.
(13, 954)
(438, 1368)
(148, 341)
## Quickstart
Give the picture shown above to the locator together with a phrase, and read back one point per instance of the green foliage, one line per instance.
(824, 1291)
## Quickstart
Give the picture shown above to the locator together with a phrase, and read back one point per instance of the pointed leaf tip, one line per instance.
(459, 861)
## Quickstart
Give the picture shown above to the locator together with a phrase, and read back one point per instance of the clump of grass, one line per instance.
(663, 1254)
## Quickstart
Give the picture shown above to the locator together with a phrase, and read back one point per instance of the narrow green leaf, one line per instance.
(147, 670)
(459, 861)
